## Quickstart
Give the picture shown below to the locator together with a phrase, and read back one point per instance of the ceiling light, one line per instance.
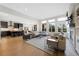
(62, 19)
(43, 21)
(25, 9)
(53, 20)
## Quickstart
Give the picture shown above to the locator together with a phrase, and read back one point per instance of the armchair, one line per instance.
(57, 43)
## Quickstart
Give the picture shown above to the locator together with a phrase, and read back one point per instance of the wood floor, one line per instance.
(16, 46)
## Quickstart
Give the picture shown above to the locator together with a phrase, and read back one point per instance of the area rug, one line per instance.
(41, 43)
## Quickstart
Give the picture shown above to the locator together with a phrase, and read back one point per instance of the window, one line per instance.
(59, 29)
(61, 24)
(62, 19)
(52, 27)
(35, 27)
(64, 28)
(44, 27)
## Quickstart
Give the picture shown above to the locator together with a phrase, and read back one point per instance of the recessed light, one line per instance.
(25, 9)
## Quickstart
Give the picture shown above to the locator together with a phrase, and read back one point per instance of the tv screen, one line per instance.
(4, 24)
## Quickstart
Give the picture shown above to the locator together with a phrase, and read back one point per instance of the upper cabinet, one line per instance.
(10, 25)
(18, 25)
(4, 24)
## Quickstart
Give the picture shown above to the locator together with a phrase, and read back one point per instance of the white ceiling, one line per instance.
(39, 10)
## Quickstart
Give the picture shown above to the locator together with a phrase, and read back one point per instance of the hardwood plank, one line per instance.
(15, 46)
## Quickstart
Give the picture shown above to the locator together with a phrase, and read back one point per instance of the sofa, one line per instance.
(30, 34)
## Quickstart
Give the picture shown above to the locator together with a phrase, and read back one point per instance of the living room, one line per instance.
(44, 28)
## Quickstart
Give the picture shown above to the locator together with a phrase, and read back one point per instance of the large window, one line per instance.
(55, 25)
(44, 25)
(64, 28)
(51, 25)
(59, 29)
(35, 27)
(61, 24)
